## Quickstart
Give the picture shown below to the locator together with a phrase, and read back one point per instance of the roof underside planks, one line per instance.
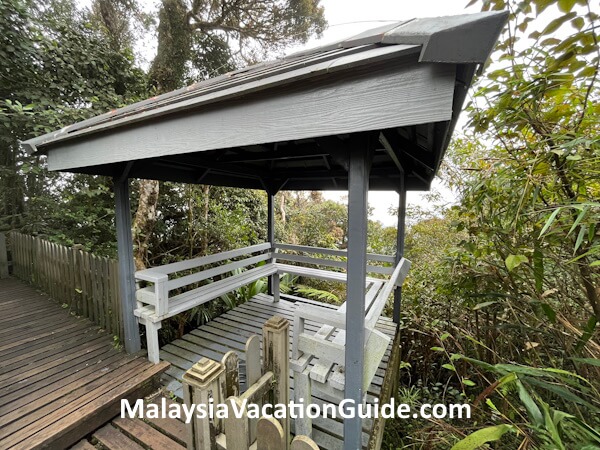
(289, 124)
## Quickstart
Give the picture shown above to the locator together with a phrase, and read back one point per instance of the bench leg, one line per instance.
(302, 394)
(275, 287)
(152, 340)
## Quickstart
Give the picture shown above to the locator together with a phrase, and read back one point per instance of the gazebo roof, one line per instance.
(291, 123)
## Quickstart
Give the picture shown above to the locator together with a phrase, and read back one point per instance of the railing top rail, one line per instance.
(179, 266)
(332, 252)
(397, 278)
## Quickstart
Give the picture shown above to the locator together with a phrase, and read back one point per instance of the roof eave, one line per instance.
(463, 39)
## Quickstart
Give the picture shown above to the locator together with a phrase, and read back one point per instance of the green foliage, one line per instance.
(317, 294)
(515, 288)
(480, 437)
(57, 69)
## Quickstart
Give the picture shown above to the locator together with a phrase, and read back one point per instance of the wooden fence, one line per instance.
(266, 381)
(87, 284)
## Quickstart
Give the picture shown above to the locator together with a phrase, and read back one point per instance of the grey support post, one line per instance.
(126, 267)
(358, 186)
(400, 245)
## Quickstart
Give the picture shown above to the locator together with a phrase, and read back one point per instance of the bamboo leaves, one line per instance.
(481, 437)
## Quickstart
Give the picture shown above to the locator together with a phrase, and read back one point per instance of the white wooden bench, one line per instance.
(318, 359)
(156, 304)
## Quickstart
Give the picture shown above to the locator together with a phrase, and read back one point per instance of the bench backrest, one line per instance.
(327, 257)
(169, 277)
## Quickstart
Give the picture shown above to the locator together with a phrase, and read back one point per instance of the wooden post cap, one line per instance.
(276, 323)
(203, 373)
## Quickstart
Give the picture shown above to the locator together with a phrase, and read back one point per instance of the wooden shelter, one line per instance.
(373, 112)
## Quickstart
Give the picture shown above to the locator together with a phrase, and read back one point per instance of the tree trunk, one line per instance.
(144, 220)
(282, 206)
(206, 190)
(166, 73)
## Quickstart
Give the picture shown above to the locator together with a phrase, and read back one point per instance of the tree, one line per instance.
(208, 38)
(57, 68)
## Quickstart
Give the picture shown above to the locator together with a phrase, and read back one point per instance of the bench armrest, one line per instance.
(151, 275)
(161, 291)
(325, 316)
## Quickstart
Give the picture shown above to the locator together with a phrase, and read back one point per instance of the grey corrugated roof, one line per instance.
(455, 39)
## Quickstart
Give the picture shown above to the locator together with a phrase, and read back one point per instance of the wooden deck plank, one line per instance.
(36, 417)
(83, 445)
(58, 390)
(23, 313)
(173, 428)
(18, 375)
(67, 367)
(61, 376)
(48, 353)
(49, 384)
(131, 385)
(47, 347)
(40, 334)
(147, 435)
(113, 439)
(60, 334)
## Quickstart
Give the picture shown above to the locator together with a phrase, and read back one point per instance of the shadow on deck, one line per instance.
(61, 376)
(230, 332)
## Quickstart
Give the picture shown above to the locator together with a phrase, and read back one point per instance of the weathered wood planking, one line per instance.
(230, 332)
(61, 376)
(137, 434)
(85, 283)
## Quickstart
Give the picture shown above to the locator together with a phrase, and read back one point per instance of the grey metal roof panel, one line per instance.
(466, 38)
(455, 39)
(202, 94)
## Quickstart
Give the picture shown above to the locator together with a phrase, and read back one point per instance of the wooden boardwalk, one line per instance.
(230, 332)
(137, 434)
(61, 377)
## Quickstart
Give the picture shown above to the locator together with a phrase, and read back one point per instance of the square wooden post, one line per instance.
(131, 329)
(273, 279)
(358, 187)
(205, 380)
(400, 244)
(3, 257)
(276, 347)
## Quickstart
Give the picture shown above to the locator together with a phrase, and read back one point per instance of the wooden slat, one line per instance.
(83, 445)
(60, 377)
(113, 439)
(202, 261)
(146, 435)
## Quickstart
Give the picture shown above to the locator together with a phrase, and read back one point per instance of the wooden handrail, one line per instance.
(167, 269)
(396, 279)
(332, 252)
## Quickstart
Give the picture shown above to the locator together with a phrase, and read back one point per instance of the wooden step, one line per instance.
(113, 439)
(146, 435)
(83, 445)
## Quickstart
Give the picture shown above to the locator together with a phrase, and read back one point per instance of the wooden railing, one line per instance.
(328, 257)
(87, 284)
(3, 257)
